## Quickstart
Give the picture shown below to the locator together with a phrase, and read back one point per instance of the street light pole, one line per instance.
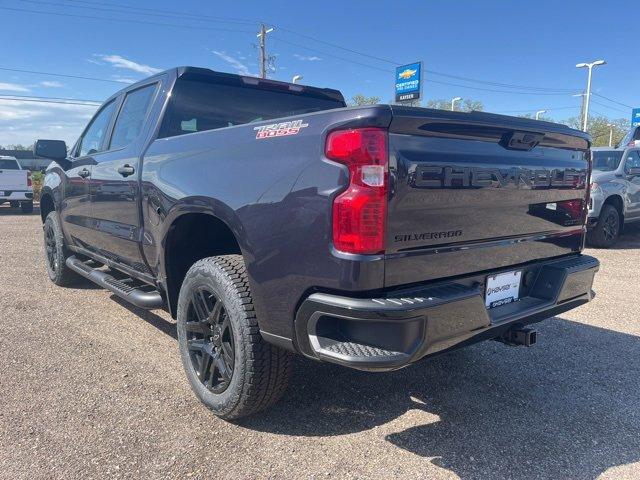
(296, 78)
(263, 49)
(588, 94)
(453, 102)
(610, 134)
(540, 112)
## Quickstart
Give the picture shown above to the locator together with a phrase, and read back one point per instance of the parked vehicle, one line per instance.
(615, 194)
(268, 218)
(15, 184)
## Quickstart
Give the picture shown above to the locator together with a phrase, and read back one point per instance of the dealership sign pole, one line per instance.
(408, 84)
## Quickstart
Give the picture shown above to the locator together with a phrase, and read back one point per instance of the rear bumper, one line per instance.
(15, 195)
(402, 326)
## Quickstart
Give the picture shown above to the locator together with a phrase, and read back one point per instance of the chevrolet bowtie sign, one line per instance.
(408, 83)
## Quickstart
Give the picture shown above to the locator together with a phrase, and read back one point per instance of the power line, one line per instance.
(119, 9)
(173, 14)
(613, 101)
(128, 20)
(617, 109)
(62, 75)
(46, 100)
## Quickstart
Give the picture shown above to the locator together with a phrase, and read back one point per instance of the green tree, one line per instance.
(360, 99)
(464, 105)
(599, 129)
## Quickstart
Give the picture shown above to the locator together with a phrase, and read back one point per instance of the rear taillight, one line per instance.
(359, 213)
(29, 184)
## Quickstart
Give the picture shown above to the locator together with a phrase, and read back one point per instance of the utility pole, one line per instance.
(263, 49)
(588, 95)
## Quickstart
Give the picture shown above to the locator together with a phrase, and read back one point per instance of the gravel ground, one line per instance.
(91, 387)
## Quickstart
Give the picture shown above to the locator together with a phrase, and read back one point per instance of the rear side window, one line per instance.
(8, 164)
(198, 105)
(93, 139)
(132, 116)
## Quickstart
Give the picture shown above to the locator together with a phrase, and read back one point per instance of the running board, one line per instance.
(135, 296)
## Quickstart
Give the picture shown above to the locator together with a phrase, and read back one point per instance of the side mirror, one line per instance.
(53, 149)
(634, 172)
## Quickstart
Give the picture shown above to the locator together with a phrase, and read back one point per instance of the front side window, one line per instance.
(633, 160)
(132, 116)
(93, 139)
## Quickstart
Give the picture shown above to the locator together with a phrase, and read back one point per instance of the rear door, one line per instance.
(475, 191)
(114, 183)
(75, 211)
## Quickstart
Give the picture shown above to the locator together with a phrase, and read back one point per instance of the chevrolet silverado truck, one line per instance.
(15, 184)
(615, 194)
(270, 219)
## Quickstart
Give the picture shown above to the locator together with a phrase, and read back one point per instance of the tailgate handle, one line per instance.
(521, 140)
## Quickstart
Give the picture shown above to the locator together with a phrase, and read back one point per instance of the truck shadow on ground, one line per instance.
(569, 407)
(7, 210)
(629, 239)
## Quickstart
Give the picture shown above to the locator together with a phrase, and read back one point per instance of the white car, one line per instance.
(15, 184)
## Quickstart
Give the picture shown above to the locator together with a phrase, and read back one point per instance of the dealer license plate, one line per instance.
(503, 288)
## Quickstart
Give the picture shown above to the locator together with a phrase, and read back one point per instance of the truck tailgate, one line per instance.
(11, 180)
(475, 191)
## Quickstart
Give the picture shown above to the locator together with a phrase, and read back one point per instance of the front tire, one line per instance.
(56, 253)
(230, 367)
(607, 229)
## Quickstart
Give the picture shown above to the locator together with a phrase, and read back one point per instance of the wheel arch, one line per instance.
(47, 203)
(193, 232)
(618, 203)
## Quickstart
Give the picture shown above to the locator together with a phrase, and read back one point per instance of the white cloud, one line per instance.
(118, 61)
(23, 122)
(121, 79)
(51, 84)
(305, 58)
(239, 67)
(13, 87)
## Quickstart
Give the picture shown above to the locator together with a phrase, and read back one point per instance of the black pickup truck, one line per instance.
(271, 219)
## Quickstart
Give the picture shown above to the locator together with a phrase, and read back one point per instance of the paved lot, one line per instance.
(90, 387)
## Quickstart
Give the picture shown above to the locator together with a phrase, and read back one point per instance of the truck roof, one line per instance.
(232, 78)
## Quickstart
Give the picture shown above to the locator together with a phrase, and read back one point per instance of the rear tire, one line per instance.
(26, 207)
(230, 367)
(607, 228)
(56, 253)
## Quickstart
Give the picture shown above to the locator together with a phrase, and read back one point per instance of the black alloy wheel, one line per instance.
(51, 247)
(210, 340)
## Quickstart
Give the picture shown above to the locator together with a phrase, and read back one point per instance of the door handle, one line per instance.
(126, 170)
(84, 173)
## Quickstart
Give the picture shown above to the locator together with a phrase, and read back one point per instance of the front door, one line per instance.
(75, 211)
(633, 191)
(114, 184)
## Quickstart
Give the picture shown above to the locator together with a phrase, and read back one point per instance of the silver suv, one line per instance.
(615, 193)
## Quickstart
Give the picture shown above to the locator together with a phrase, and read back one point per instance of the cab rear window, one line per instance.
(197, 105)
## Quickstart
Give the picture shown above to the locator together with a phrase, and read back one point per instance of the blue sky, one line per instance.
(508, 42)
